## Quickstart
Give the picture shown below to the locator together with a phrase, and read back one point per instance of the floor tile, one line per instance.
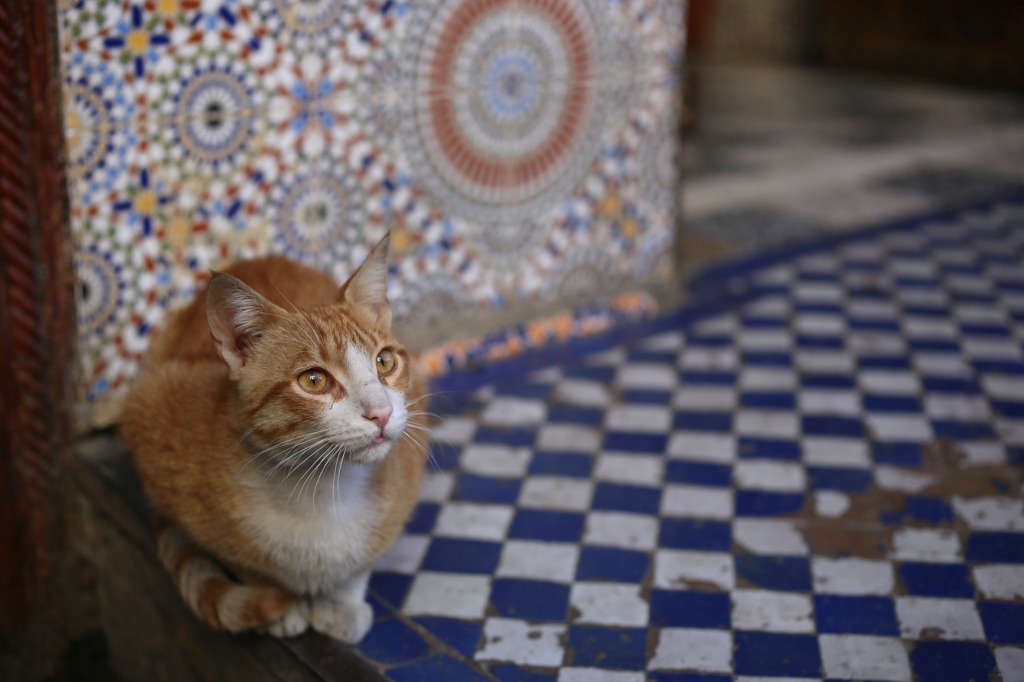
(824, 483)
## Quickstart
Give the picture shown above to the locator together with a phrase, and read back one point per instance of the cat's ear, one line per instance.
(237, 316)
(368, 286)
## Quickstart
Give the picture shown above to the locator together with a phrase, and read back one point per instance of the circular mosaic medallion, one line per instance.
(383, 97)
(587, 271)
(87, 128)
(99, 290)
(310, 16)
(320, 217)
(212, 116)
(504, 113)
(509, 244)
(429, 299)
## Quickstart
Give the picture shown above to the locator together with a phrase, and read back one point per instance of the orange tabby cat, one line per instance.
(276, 454)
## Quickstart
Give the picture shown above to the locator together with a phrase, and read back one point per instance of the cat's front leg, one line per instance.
(343, 614)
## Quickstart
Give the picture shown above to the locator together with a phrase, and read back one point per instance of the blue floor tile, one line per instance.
(451, 555)
(771, 654)
(931, 510)
(552, 526)
(952, 661)
(936, 580)
(532, 600)
(627, 498)
(711, 536)
(1004, 622)
(635, 442)
(698, 473)
(995, 548)
(437, 667)
(836, 478)
(612, 564)
(473, 488)
(561, 464)
(764, 503)
(607, 648)
(855, 615)
(688, 609)
(784, 573)
(392, 641)
(768, 448)
(463, 636)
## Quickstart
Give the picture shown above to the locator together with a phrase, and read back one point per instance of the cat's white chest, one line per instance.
(318, 535)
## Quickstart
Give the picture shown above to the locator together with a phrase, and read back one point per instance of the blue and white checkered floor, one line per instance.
(818, 479)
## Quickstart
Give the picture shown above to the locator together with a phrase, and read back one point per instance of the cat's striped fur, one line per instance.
(280, 456)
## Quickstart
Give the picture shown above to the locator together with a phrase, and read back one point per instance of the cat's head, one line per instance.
(331, 377)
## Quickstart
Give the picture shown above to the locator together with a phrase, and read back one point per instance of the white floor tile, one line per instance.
(633, 469)
(852, 576)
(445, 594)
(472, 520)
(772, 611)
(495, 460)
(681, 569)
(861, 657)
(519, 642)
(933, 618)
(538, 560)
(694, 501)
(706, 651)
(614, 529)
(619, 605)
(556, 492)
(1000, 581)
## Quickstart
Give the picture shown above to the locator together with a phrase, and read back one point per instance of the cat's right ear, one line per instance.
(237, 317)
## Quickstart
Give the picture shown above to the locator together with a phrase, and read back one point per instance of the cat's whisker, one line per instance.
(306, 477)
(285, 449)
(433, 416)
(259, 423)
(422, 446)
(329, 458)
(303, 454)
(304, 448)
(436, 394)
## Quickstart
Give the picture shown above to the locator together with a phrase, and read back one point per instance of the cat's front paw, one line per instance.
(344, 620)
(293, 623)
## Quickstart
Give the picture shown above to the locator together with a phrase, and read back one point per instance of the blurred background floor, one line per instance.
(783, 153)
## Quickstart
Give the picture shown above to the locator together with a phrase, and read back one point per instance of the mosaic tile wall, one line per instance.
(517, 150)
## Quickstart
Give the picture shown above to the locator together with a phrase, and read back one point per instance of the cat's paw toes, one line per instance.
(346, 621)
(293, 623)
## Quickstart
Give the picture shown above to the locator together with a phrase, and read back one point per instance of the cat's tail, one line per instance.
(218, 600)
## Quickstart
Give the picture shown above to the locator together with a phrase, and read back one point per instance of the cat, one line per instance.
(280, 456)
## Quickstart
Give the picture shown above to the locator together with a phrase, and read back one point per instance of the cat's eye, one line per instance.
(385, 362)
(314, 381)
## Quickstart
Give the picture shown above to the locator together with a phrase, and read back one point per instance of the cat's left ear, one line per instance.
(368, 286)
(238, 316)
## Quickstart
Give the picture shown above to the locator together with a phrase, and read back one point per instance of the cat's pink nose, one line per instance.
(379, 416)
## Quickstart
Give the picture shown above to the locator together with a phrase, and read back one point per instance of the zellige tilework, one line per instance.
(516, 149)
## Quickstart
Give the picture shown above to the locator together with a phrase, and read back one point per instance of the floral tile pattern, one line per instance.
(516, 149)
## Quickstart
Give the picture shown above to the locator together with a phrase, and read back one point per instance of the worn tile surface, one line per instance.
(817, 479)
